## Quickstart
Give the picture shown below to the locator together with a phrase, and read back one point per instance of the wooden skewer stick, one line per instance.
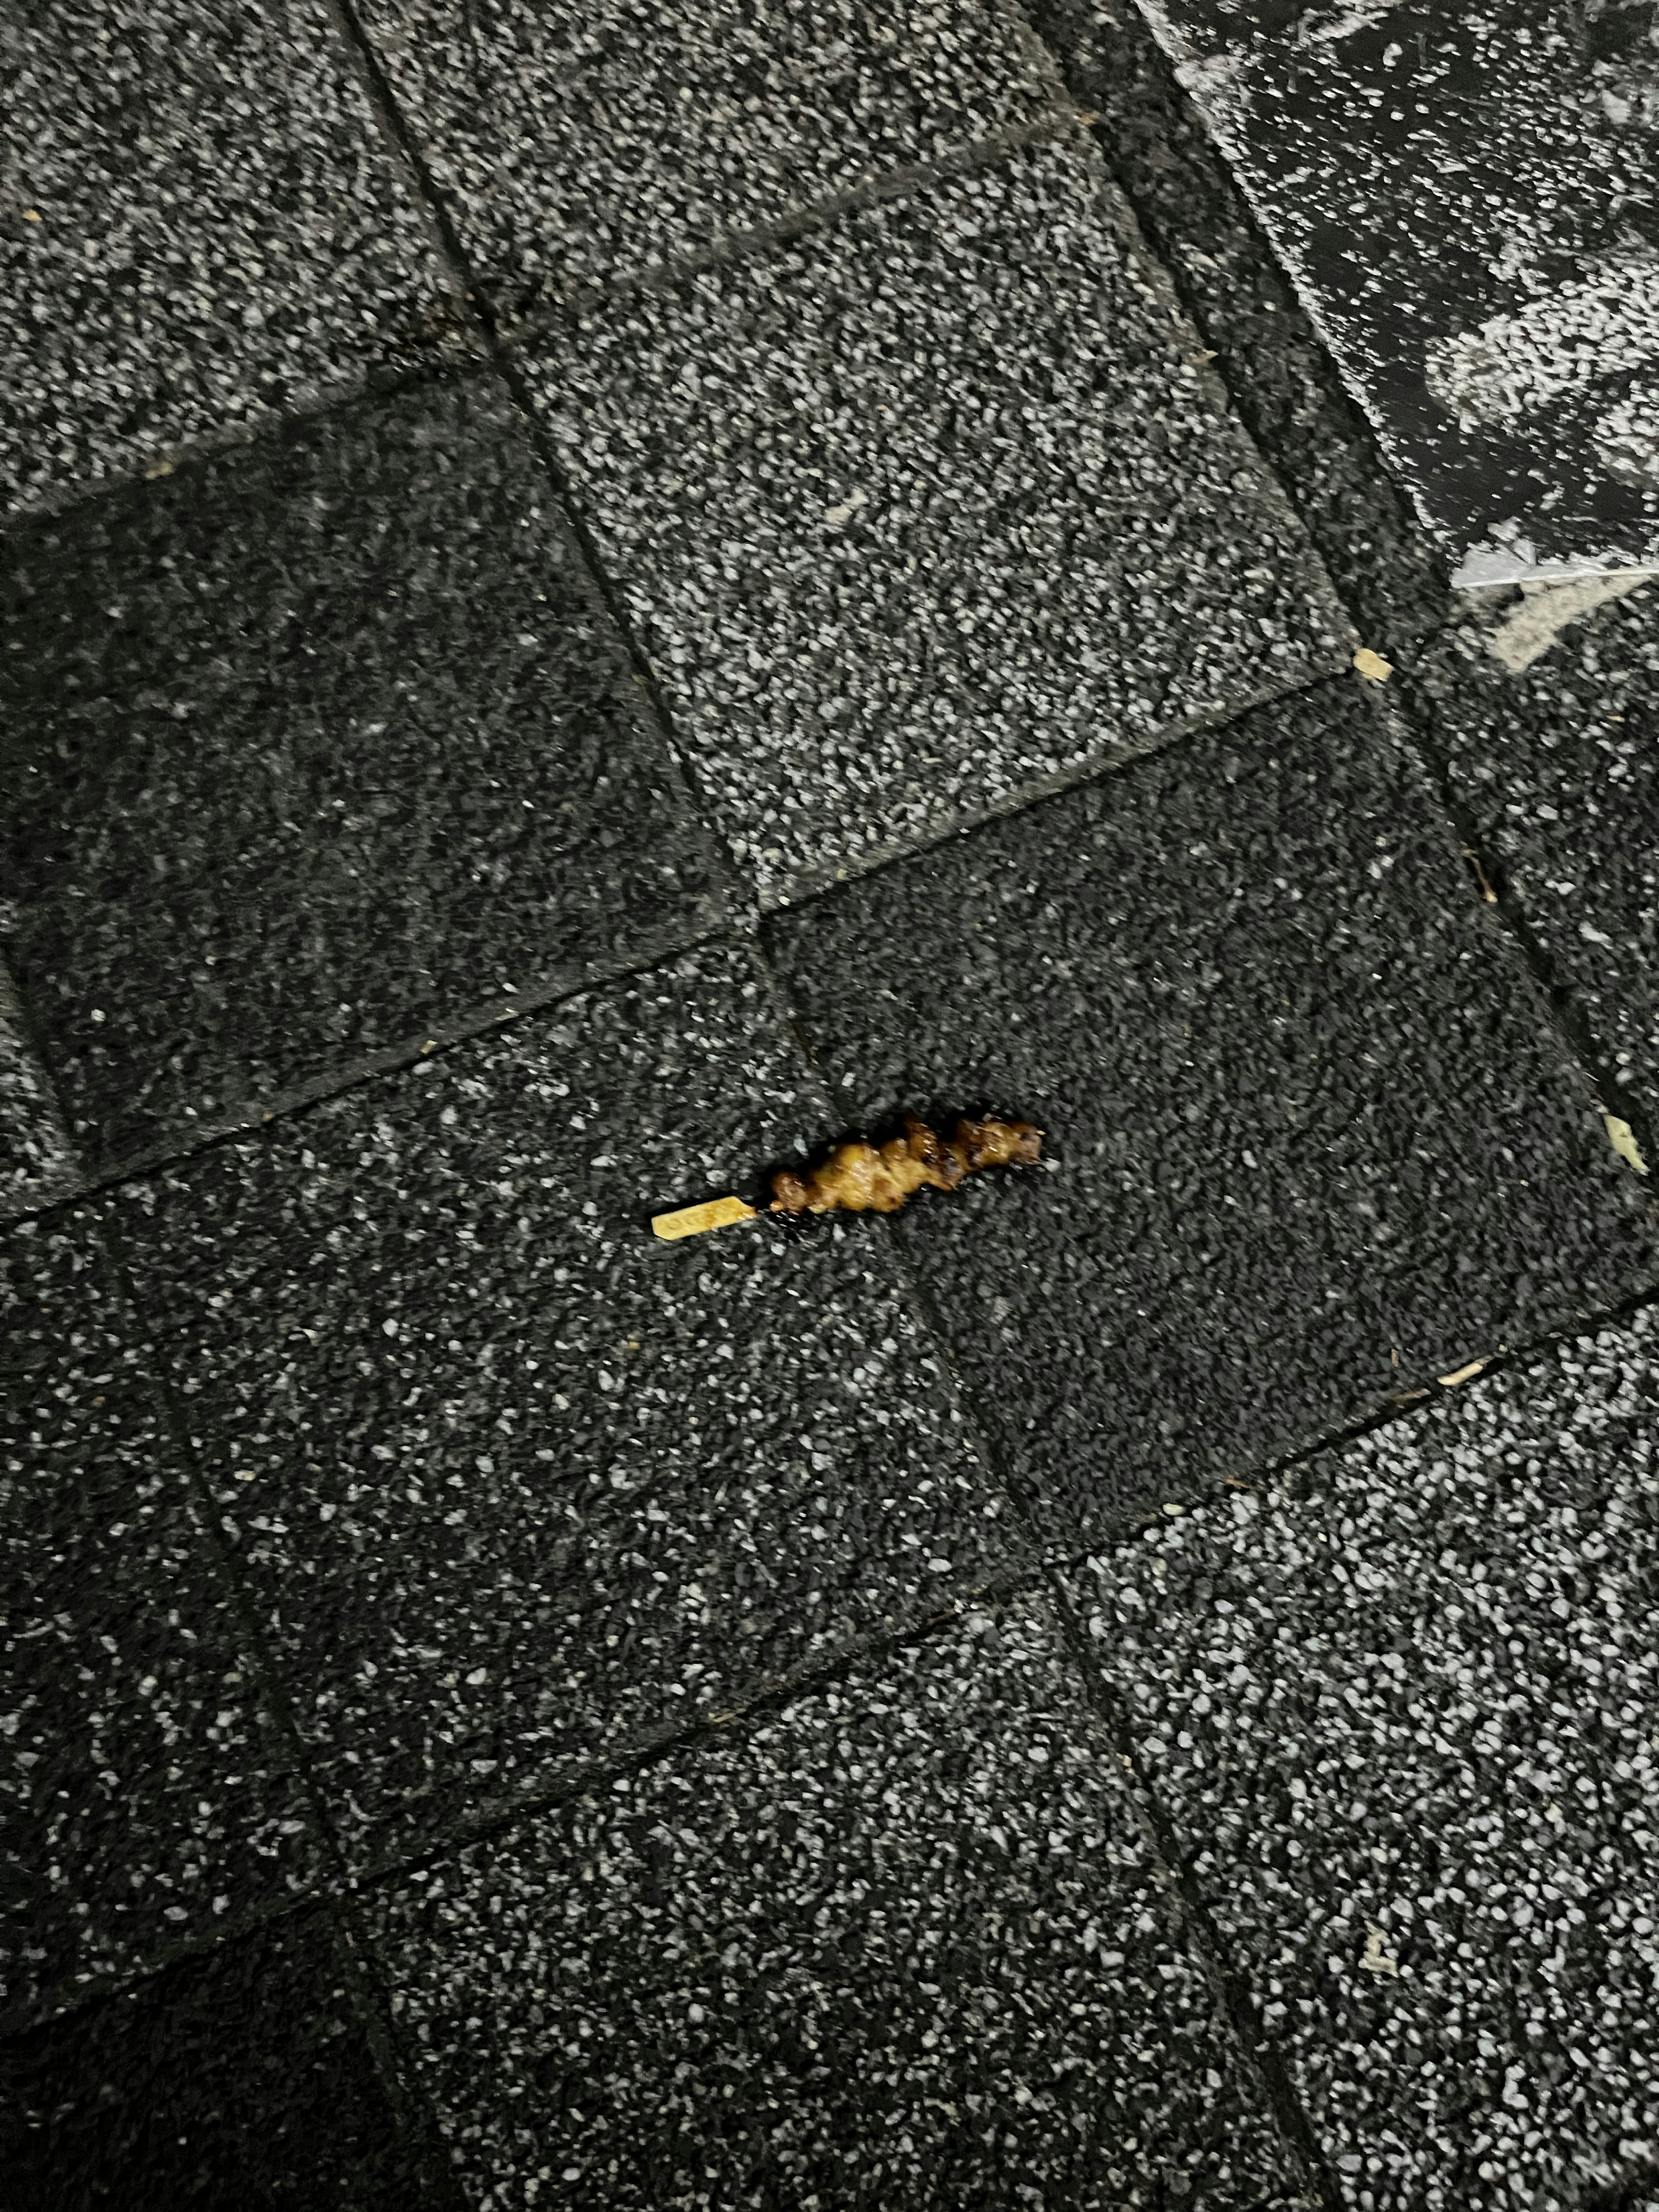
(693, 1220)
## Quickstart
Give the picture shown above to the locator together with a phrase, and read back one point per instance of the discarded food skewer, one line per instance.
(859, 1177)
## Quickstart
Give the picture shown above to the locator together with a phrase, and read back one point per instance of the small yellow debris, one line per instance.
(162, 467)
(1463, 1375)
(31, 215)
(693, 1220)
(1622, 1138)
(1480, 877)
(1374, 1958)
(1372, 665)
(1175, 1511)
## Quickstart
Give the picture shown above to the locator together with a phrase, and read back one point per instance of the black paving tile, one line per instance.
(1305, 1119)
(580, 150)
(242, 2077)
(145, 1788)
(1413, 1695)
(203, 224)
(1277, 373)
(1464, 197)
(514, 1484)
(1557, 767)
(323, 744)
(926, 510)
(900, 1944)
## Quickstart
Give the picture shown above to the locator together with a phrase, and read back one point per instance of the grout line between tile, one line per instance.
(508, 370)
(675, 1739)
(639, 1753)
(1295, 2133)
(1408, 1407)
(650, 950)
(807, 886)
(811, 1675)
(1229, 1984)
(1565, 1014)
(501, 341)
(61, 1999)
(310, 406)
(1344, 417)
(735, 245)
(416, 2125)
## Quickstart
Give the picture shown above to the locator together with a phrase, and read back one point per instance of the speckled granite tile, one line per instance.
(200, 225)
(1557, 766)
(581, 149)
(1311, 1139)
(1464, 197)
(242, 2076)
(513, 1483)
(1402, 1714)
(144, 1791)
(323, 741)
(1278, 372)
(899, 1943)
(925, 510)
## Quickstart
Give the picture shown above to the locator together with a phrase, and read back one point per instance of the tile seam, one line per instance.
(416, 2124)
(1200, 1938)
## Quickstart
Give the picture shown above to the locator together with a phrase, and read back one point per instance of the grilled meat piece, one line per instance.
(859, 1177)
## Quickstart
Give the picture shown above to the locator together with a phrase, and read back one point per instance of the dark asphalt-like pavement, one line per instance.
(592, 603)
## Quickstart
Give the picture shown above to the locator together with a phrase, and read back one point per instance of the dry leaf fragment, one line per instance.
(1622, 1138)
(859, 1177)
(1461, 1375)
(1374, 1958)
(1480, 876)
(1372, 666)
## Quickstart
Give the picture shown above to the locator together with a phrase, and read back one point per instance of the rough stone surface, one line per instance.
(37, 1157)
(1464, 197)
(1310, 1141)
(514, 1484)
(1557, 769)
(1413, 1692)
(143, 1787)
(579, 149)
(200, 224)
(323, 742)
(925, 510)
(901, 1943)
(241, 2077)
(1277, 371)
